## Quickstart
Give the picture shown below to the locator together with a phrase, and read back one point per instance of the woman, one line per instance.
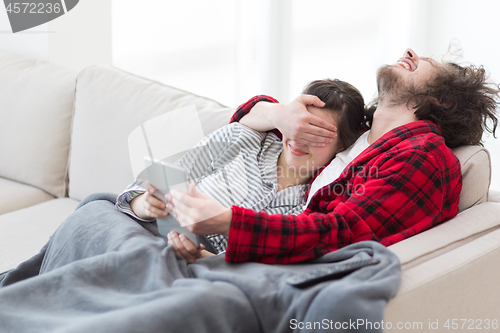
(239, 166)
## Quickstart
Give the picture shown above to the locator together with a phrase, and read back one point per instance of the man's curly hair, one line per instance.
(460, 100)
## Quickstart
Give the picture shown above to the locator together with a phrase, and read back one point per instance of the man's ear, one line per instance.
(445, 105)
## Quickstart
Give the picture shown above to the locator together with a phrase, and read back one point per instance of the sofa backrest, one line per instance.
(476, 175)
(110, 105)
(36, 99)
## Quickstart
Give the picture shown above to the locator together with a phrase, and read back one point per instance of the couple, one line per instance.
(237, 165)
(402, 177)
(102, 271)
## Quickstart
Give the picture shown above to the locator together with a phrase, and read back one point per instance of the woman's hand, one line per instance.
(199, 213)
(301, 126)
(146, 206)
(184, 248)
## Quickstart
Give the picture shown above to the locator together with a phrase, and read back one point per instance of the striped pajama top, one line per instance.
(236, 166)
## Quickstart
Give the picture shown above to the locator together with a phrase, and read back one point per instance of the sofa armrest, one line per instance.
(458, 284)
(463, 228)
(494, 196)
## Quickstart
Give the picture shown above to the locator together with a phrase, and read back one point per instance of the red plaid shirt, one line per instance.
(404, 183)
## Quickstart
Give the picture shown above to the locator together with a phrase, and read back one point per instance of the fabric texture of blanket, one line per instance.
(102, 271)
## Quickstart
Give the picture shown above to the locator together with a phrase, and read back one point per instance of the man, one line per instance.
(407, 180)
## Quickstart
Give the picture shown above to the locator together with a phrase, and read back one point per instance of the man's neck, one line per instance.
(388, 117)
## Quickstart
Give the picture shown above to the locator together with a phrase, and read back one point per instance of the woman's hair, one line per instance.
(460, 101)
(346, 102)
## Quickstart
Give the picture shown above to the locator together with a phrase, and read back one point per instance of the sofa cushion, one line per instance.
(25, 231)
(36, 100)
(14, 196)
(476, 175)
(109, 106)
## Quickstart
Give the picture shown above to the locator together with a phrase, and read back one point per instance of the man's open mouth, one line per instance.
(406, 64)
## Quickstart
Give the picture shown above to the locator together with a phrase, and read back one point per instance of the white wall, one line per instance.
(474, 25)
(82, 37)
(186, 44)
(79, 38)
(32, 43)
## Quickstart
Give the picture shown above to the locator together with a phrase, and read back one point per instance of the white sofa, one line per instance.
(64, 135)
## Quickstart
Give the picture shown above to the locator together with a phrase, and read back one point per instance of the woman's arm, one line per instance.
(146, 206)
(209, 155)
(217, 149)
(140, 203)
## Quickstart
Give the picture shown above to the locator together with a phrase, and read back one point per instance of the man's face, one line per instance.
(408, 75)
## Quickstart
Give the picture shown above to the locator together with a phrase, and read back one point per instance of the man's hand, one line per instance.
(184, 248)
(301, 126)
(146, 206)
(199, 213)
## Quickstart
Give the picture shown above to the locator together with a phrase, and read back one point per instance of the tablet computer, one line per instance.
(163, 177)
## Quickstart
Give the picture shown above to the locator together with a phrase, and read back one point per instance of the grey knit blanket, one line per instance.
(102, 271)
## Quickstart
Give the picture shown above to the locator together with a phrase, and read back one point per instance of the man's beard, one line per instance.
(392, 88)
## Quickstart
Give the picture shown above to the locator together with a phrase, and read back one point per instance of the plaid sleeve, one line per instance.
(245, 108)
(410, 192)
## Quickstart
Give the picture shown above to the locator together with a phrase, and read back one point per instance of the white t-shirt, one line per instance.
(337, 165)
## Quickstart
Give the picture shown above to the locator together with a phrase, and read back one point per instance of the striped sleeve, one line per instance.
(218, 149)
(125, 198)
